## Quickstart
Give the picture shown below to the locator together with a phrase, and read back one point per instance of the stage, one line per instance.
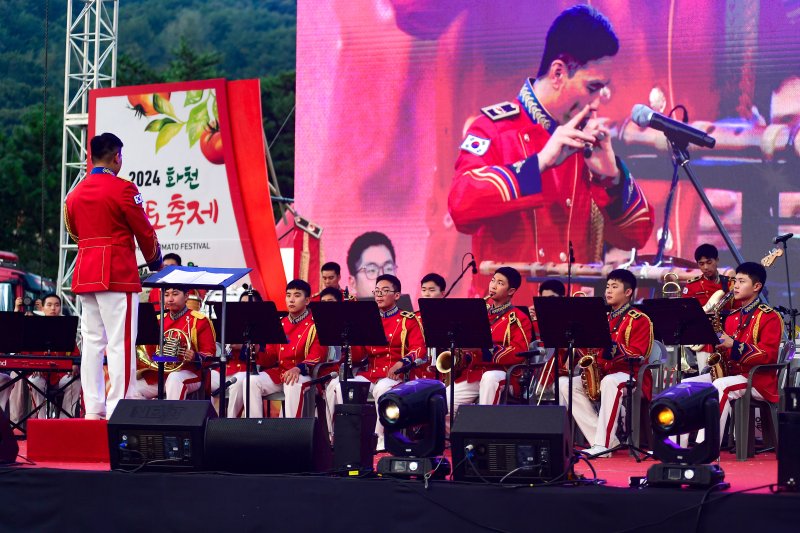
(52, 496)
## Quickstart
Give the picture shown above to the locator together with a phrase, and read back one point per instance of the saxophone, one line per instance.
(590, 375)
(716, 362)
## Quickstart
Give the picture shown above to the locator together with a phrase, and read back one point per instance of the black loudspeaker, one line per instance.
(8, 443)
(354, 437)
(498, 439)
(788, 458)
(158, 434)
(267, 445)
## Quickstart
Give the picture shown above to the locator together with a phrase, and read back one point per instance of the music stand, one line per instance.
(457, 323)
(250, 323)
(212, 279)
(679, 322)
(147, 325)
(571, 323)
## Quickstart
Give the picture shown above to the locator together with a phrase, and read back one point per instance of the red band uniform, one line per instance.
(406, 343)
(702, 289)
(103, 214)
(513, 212)
(756, 331)
(303, 352)
(632, 337)
(236, 366)
(179, 383)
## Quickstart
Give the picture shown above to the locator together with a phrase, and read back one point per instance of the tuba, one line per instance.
(176, 342)
(590, 375)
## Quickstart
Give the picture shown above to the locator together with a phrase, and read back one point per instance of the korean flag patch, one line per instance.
(475, 145)
(138, 199)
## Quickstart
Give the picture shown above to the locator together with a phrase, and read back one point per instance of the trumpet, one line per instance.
(671, 288)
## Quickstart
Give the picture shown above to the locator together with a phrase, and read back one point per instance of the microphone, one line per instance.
(222, 388)
(408, 366)
(474, 266)
(675, 131)
(782, 238)
(323, 379)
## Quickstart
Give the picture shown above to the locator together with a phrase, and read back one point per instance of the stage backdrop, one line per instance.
(196, 152)
(385, 89)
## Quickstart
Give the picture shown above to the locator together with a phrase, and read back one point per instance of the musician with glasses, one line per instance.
(751, 336)
(285, 367)
(632, 338)
(370, 255)
(193, 326)
(406, 345)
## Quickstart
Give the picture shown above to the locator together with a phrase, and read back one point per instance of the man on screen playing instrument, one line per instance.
(539, 172)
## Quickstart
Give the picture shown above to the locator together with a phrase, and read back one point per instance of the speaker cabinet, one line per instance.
(498, 439)
(354, 437)
(788, 443)
(267, 445)
(158, 434)
(9, 448)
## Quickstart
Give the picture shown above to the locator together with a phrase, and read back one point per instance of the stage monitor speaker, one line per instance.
(503, 438)
(354, 437)
(158, 434)
(788, 443)
(267, 445)
(9, 448)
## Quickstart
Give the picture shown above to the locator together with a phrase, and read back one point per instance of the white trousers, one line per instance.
(333, 396)
(5, 394)
(262, 385)
(108, 327)
(729, 388)
(491, 385)
(598, 428)
(465, 393)
(71, 398)
(177, 385)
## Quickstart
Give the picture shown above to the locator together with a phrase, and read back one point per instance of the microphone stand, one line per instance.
(792, 311)
(471, 265)
(570, 261)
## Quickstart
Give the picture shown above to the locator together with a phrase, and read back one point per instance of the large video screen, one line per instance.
(387, 90)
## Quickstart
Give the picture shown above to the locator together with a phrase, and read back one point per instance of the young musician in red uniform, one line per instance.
(704, 286)
(631, 337)
(432, 285)
(284, 366)
(406, 346)
(752, 336)
(510, 334)
(103, 214)
(202, 343)
(522, 186)
(331, 276)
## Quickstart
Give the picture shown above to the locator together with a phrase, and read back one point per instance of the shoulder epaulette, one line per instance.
(407, 314)
(698, 278)
(198, 314)
(764, 308)
(351, 298)
(634, 313)
(501, 110)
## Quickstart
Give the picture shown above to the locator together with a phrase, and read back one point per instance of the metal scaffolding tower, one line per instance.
(90, 63)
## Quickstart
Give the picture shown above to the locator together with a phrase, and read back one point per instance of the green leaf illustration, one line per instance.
(214, 108)
(197, 122)
(166, 133)
(157, 124)
(163, 106)
(192, 97)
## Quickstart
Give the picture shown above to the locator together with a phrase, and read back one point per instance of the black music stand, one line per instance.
(147, 325)
(250, 323)
(348, 324)
(212, 279)
(679, 322)
(457, 323)
(571, 323)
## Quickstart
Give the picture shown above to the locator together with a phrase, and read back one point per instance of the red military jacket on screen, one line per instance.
(403, 330)
(103, 214)
(756, 330)
(303, 350)
(517, 214)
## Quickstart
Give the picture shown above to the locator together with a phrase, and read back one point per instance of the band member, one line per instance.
(370, 255)
(751, 337)
(432, 285)
(510, 335)
(706, 285)
(196, 296)
(199, 330)
(331, 276)
(237, 356)
(330, 294)
(103, 214)
(522, 179)
(632, 338)
(384, 363)
(284, 366)
(548, 288)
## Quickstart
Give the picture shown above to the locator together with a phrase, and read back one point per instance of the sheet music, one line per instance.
(182, 277)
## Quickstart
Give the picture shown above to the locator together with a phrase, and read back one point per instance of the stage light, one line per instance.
(413, 417)
(678, 410)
